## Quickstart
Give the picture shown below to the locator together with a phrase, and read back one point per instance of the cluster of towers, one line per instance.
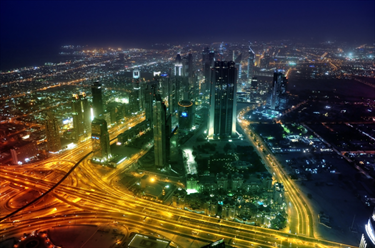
(169, 103)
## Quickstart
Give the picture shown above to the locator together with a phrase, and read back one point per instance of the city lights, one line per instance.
(226, 133)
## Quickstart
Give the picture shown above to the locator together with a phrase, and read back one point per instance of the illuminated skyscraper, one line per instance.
(277, 83)
(52, 132)
(136, 74)
(189, 63)
(238, 65)
(149, 96)
(205, 53)
(159, 122)
(223, 105)
(77, 117)
(100, 141)
(136, 97)
(85, 106)
(185, 115)
(97, 100)
(178, 66)
(208, 59)
(368, 238)
(250, 65)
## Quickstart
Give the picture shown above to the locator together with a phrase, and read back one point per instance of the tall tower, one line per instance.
(190, 65)
(85, 106)
(52, 131)
(159, 133)
(368, 238)
(178, 66)
(250, 65)
(149, 96)
(136, 74)
(205, 53)
(100, 141)
(238, 65)
(223, 104)
(77, 116)
(135, 98)
(208, 60)
(276, 88)
(97, 100)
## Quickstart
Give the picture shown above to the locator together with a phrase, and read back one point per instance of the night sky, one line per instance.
(33, 30)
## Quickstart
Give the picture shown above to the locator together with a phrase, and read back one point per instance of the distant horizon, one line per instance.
(43, 54)
(36, 28)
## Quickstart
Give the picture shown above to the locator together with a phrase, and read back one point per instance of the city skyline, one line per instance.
(187, 124)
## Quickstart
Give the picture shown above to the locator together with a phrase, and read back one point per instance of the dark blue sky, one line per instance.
(38, 28)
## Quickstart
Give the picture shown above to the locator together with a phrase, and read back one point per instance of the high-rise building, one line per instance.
(238, 65)
(136, 74)
(77, 117)
(178, 66)
(368, 238)
(149, 96)
(52, 132)
(159, 121)
(97, 100)
(278, 98)
(276, 89)
(100, 141)
(208, 59)
(250, 65)
(136, 96)
(223, 105)
(185, 115)
(85, 106)
(189, 63)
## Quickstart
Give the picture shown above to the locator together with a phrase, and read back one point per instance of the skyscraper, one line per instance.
(368, 238)
(276, 87)
(97, 100)
(250, 65)
(189, 63)
(77, 117)
(52, 132)
(208, 59)
(159, 122)
(223, 105)
(185, 115)
(136, 97)
(238, 65)
(149, 95)
(85, 106)
(100, 141)
(178, 66)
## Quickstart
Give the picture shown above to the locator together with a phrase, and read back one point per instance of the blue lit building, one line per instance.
(185, 115)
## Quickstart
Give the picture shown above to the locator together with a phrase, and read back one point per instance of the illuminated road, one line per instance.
(303, 221)
(88, 197)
